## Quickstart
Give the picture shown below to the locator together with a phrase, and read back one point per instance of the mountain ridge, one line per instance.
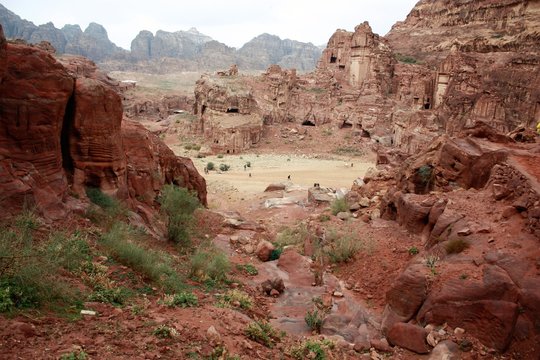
(178, 50)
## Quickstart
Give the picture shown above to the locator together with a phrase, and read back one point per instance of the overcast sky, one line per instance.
(233, 22)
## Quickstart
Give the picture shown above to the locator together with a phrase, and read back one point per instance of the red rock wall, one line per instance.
(61, 126)
(34, 93)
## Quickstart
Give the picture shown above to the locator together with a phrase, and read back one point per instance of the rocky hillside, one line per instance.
(432, 28)
(164, 51)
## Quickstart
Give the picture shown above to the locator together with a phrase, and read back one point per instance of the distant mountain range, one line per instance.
(164, 51)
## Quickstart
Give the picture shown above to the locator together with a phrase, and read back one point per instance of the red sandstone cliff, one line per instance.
(61, 127)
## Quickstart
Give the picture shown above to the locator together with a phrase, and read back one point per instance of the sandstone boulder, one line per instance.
(409, 336)
(264, 250)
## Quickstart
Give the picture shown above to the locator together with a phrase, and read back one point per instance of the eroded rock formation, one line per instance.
(61, 129)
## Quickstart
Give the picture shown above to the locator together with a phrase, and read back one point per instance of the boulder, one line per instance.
(271, 286)
(409, 336)
(264, 249)
(445, 350)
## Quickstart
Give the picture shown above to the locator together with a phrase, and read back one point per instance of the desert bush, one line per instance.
(235, 296)
(339, 205)
(342, 247)
(110, 205)
(314, 320)
(74, 355)
(406, 59)
(209, 264)
(210, 166)
(220, 156)
(292, 235)
(29, 270)
(113, 295)
(248, 268)
(178, 204)
(455, 246)
(183, 299)
(312, 349)
(413, 250)
(164, 332)
(224, 167)
(156, 266)
(263, 333)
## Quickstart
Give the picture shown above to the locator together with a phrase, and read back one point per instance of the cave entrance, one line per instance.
(203, 109)
(427, 104)
(333, 59)
(365, 134)
(308, 123)
(232, 110)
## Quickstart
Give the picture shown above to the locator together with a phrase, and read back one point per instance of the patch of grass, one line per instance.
(292, 236)
(209, 264)
(314, 320)
(238, 298)
(413, 250)
(342, 247)
(324, 217)
(164, 332)
(115, 296)
(30, 271)
(179, 204)
(455, 246)
(431, 263)
(110, 205)
(183, 299)
(74, 355)
(224, 167)
(263, 333)
(248, 269)
(154, 265)
(339, 205)
(312, 349)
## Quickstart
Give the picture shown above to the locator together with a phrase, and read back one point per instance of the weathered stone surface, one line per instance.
(264, 249)
(409, 336)
(35, 91)
(406, 295)
(486, 309)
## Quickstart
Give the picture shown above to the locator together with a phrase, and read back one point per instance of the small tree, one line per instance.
(178, 204)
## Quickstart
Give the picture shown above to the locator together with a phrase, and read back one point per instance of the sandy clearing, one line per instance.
(270, 168)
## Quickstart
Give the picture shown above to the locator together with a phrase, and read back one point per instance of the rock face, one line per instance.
(432, 28)
(61, 128)
(35, 92)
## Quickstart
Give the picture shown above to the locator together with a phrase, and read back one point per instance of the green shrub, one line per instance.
(188, 146)
(237, 296)
(339, 205)
(314, 320)
(220, 156)
(111, 206)
(210, 166)
(342, 247)
(164, 332)
(292, 236)
(275, 253)
(455, 246)
(209, 265)
(153, 264)
(413, 250)
(183, 299)
(74, 355)
(224, 167)
(312, 349)
(406, 59)
(263, 333)
(115, 296)
(178, 204)
(248, 268)
(29, 271)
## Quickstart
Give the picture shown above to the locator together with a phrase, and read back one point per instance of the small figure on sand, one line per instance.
(249, 174)
(289, 177)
